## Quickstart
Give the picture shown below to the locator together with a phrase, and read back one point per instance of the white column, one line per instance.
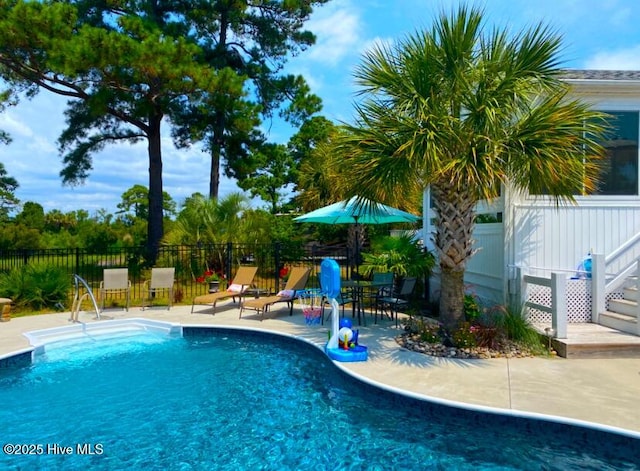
(559, 305)
(638, 297)
(598, 286)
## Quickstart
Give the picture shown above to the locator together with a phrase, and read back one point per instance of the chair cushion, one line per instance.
(289, 293)
(235, 288)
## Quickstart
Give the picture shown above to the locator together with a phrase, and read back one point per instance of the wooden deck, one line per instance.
(595, 341)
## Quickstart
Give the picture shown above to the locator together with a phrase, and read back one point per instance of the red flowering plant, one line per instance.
(284, 273)
(209, 276)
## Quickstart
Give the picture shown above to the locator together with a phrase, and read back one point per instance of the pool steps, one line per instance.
(39, 338)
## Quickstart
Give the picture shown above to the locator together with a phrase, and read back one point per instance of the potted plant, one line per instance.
(211, 278)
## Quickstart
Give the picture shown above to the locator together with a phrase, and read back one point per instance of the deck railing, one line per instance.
(558, 308)
(612, 271)
(601, 287)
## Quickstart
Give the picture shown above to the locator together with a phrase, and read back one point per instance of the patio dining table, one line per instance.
(358, 289)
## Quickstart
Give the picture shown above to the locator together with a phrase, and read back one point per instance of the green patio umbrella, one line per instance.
(354, 211)
(357, 211)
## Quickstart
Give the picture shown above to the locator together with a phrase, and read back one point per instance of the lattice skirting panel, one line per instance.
(614, 295)
(578, 302)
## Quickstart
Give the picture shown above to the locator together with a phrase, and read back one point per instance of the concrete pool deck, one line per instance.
(600, 391)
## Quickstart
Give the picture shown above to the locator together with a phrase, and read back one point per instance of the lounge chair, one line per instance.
(296, 282)
(162, 279)
(115, 281)
(241, 282)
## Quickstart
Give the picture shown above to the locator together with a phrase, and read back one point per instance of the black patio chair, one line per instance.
(400, 299)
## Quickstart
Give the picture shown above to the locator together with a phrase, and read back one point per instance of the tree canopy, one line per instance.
(135, 203)
(251, 40)
(8, 186)
(118, 66)
(204, 220)
(319, 181)
(275, 169)
(125, 66)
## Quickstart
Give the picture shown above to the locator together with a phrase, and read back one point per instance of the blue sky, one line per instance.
(598, 34)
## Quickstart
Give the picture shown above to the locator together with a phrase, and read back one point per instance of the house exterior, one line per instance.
(535, 237)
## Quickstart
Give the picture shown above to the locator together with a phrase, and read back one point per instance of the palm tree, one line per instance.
(208, 224)
(320, 179)
(209, 221)
(466, 111)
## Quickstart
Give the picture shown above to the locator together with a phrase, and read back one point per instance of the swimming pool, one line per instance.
(227, 399)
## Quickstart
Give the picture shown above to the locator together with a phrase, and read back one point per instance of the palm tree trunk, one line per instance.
(455, 210)
(451, 297)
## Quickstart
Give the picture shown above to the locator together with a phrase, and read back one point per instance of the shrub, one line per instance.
(401, 255)
(496, 329)
(36, 286)
(428, 331)
(472, 310)
(464, 336)
(514, 325)
(431, 334)
(488, 337)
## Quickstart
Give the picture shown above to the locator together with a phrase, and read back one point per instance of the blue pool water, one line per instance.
(231, 400)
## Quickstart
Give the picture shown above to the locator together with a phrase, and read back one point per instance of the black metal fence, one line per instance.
(190, 263)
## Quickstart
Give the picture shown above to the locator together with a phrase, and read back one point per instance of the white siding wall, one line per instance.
(485, 271)
(546, 239)
(559, 238)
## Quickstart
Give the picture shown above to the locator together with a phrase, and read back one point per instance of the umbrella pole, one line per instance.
(357, 248)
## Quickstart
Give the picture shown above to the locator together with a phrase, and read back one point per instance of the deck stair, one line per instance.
(615, 336)
(589, 340)
(616, 331)
(622, 313)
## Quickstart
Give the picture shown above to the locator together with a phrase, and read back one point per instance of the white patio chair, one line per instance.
(115, 281)
(162, 279)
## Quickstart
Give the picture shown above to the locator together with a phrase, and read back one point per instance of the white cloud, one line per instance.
(621, 59)
(10, 123)
(33, 159)
(41, 145)
(337, 27)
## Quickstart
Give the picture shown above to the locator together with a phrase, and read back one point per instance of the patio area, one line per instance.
(599, 391)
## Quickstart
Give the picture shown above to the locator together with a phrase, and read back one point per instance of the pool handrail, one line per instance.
(77, 299)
